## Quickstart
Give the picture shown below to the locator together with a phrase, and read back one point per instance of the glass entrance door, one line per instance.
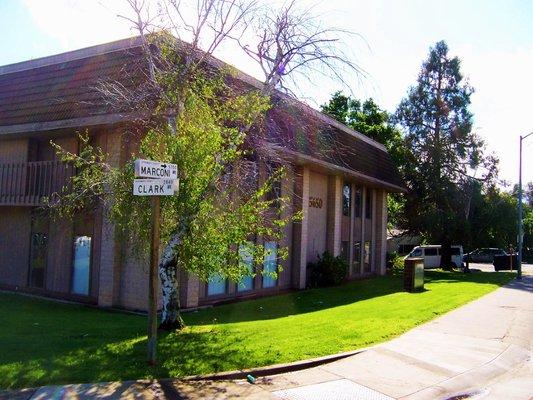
(81, 265)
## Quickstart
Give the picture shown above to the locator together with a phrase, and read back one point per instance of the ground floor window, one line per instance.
(270, 264)
(367, 256)
(38, 254)
(81, 265)
(216, 285)
(245, 253)
(345, 251)
(357, 257)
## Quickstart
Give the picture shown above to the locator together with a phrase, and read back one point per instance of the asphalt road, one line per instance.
(527, 269)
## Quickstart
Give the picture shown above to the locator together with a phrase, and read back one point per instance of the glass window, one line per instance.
(367, 256)
(82, 264)
(346, 199)
(345, 250)
(38, 250)
(270, 264)
(431, 251)
(357, 202)
(416, 253)
(216, 285)
(456, 251)
(274, 194)
(357, 256)
(246, 256)
(368, 201)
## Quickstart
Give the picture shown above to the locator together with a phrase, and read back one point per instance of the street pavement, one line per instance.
(479, 351)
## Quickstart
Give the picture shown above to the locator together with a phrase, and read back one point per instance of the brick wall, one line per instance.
(14, 245)
(13, 150)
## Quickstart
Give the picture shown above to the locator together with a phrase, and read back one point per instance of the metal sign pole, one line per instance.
(152, 282)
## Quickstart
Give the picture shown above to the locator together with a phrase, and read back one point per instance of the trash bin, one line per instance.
(413, 274)
(505, 262)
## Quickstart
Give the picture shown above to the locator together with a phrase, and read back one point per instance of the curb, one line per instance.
(276, 368)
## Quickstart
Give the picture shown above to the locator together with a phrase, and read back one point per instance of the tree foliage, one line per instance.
(449, 158)
(220, 203)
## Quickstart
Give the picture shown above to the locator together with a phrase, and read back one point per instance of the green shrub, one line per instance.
(327, 271)
(395, 263)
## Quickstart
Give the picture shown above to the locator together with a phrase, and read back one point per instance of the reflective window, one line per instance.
(367, 256)
(270, 264)
(357, 201)
(246, 256)
(357, 257)
(416, 253)
(368, 204)
(216, 285)
(346, 199)
(81, 266)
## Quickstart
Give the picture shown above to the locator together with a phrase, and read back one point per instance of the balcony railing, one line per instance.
(27, 183)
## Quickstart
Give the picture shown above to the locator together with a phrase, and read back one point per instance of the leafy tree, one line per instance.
(370, 120)
(492, 219)
(194, 113)
(450, 157)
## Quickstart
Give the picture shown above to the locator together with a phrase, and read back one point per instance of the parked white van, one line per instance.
(431, 255)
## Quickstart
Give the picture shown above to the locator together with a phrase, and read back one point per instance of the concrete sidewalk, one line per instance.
(481, 350)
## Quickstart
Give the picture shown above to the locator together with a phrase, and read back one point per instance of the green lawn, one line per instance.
(43, 342)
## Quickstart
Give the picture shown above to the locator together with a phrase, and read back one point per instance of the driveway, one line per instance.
(527, 269)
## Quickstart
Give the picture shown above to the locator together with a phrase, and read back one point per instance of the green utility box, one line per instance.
(413, 274)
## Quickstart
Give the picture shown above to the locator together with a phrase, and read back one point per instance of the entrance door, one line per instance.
(81, 272)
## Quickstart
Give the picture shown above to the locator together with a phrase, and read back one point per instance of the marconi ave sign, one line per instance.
(155, 169)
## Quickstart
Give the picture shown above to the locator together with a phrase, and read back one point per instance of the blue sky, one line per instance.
(494, 40)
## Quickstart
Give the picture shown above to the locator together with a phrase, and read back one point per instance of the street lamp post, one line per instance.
(520, 219)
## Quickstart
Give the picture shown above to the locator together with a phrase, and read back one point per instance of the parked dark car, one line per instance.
(485, 255)
(505, 262)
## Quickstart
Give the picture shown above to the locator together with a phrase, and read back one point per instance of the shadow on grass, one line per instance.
(299, 302)
(319, 299)
(186, 353)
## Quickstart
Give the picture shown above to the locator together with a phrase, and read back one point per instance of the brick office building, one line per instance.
(342, 196)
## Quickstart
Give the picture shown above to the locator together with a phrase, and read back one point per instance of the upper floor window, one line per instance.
(368, 208)
(346, 199)
(357, 202)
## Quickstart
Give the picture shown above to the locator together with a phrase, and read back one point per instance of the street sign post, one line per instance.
(157, 179)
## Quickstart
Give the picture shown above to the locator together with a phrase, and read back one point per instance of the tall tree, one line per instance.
(450, 157)
(370, 120)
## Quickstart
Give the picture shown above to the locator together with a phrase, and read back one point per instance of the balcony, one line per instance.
(27, 183)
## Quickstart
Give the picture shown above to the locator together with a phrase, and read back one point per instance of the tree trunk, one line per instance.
(168, 274)
(446, 255)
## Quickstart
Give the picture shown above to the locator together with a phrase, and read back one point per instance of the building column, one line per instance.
(189, 289)
(301, 204)
(381, 232)
(363, 223)
(109, 274)
(334, 214)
